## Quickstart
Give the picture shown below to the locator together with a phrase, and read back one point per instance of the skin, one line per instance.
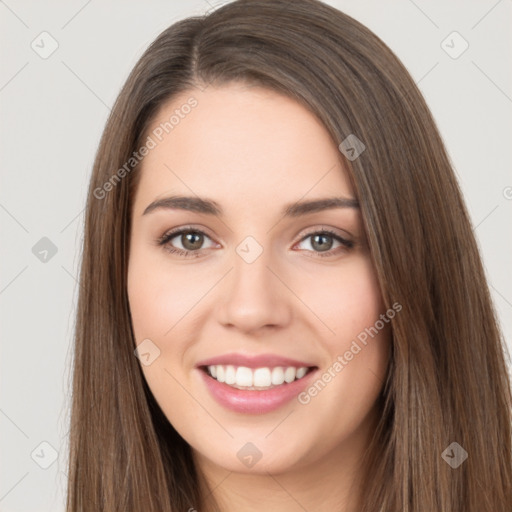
(253, 151)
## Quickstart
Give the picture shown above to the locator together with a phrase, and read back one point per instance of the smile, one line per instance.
(242, 377)
(262, 395)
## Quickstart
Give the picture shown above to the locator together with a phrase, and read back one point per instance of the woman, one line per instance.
(275, 231)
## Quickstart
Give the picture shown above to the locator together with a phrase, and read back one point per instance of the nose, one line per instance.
(253, 296)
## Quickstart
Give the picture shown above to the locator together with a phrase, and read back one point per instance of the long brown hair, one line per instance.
(447, 381)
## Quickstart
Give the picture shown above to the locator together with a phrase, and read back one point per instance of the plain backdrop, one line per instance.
(53, 110)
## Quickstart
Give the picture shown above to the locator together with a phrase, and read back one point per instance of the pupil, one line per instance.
(322, 247)
(189, 241)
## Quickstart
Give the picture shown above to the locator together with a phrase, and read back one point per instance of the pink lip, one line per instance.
(259, 361)
(254, 401)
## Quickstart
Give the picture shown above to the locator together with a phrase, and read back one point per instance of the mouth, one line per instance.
(257, 390)
(256, 379)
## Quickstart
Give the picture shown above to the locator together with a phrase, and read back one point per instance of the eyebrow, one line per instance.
(210, 207)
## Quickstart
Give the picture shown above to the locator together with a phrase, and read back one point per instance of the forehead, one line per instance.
(240, 144)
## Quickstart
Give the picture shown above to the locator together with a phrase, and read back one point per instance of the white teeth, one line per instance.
(301, 372)
(277, 376)
(220, 373)
(230, 377)
(289, 374)
(244, 376)
(262, 378)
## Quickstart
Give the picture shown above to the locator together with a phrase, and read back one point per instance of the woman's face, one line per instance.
(265, 288)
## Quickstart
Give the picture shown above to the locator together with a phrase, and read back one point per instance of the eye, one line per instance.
(321, 242)
(190, 240)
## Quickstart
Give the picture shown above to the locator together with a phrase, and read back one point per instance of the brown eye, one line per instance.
(321, 243)
(185, 242)
(192, 241)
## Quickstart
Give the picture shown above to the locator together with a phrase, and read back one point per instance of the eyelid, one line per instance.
(172, 233)
(345, 235)
(187, 228)
(346, 243)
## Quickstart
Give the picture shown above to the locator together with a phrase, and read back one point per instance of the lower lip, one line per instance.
(253, 401)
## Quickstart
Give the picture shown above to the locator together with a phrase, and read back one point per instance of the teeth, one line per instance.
(243, 376)
(230, 377)
(289, 374)
(301, 372)
(277, 376)
(259, 378)
(262, 378)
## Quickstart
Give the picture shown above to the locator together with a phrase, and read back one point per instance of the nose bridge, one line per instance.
(253, 296)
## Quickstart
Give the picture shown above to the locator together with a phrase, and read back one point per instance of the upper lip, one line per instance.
(255, 361)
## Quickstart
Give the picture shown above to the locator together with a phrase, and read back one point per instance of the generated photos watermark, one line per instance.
(343, 360)
(157, 135)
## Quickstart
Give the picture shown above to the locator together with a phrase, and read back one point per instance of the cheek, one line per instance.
(159, 297)
(347, 301)
(159, 300)
(358, 340)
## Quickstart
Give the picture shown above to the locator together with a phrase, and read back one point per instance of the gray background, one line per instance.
(53, 111)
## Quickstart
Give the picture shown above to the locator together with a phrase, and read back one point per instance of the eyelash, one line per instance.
(164, 241)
